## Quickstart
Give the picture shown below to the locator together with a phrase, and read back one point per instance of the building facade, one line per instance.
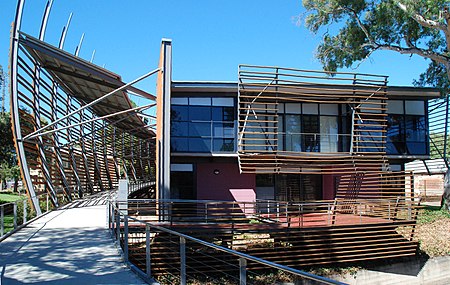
(205, 142)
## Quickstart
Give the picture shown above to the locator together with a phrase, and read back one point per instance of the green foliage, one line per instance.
(6, 198)
(431, 214)
(7, 150)
(364, 26)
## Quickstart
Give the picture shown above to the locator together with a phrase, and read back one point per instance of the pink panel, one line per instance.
(227, 185)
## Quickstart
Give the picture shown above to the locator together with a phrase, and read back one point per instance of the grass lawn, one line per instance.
(8, 223)
(6, 198)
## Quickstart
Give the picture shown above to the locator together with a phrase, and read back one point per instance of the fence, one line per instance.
(291, 214)
(13, 215)
(144, 245)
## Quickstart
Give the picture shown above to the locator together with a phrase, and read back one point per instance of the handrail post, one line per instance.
(278, 211)
(242, 271)
(182, 261)
(125, 237)
(47, 201)
(2, 218)
(15, 215)
(24, 211)
(113, 220)
(118, 227)
(148, 268)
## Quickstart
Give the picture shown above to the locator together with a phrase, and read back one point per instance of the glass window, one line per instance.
(179, 129)
(312, 109)
(414, 107)
(179, 101)
(293, 108)
(179, 144)
(223, 113)
(199, 129)
(329, 109)
(199, 113)
(223, 130)
(264, 180)
(311, 136)
(395, 107)
(293, 133)
(415, 128)
(328, 134)
(198, 101)
(223, 102)
(199, 145)
(223, 145)
(179, 113)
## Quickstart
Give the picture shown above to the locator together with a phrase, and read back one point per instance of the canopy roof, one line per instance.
(88, 82)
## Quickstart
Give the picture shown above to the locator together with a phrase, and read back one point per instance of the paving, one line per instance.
(67, 246)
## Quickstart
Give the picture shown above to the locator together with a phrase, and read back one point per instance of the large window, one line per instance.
(203, 125)
(407, 128)
(311, 128)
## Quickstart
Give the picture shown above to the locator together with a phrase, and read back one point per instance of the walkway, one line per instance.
(68, 246)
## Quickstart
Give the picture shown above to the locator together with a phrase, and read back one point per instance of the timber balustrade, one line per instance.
(294, 234)
(176, 258)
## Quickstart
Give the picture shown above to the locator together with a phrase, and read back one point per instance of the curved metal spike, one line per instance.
(48, 7)
(92, 56)
(64, 32)
(77, 50)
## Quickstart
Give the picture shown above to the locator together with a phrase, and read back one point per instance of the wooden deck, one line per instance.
(351, 238)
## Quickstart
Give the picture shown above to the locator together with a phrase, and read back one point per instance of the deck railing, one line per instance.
(14, 215)
(144, 239)
(290, 214)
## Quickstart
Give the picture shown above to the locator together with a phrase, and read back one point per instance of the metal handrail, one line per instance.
(241, 255)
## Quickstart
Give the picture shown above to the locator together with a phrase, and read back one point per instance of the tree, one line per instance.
(2, 88)
(414, 27)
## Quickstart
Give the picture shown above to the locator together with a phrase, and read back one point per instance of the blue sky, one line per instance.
(210, 38)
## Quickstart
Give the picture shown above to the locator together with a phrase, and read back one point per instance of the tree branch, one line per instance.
(360, 24)
(421, 19)
(415, 50)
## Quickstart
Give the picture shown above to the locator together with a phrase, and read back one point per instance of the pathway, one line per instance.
(67, 246)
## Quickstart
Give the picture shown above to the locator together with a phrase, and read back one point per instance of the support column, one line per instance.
(163, 121)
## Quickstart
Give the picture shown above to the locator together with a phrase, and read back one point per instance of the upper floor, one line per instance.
(206, 120)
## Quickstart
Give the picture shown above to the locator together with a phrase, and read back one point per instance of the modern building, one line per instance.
(207, 140)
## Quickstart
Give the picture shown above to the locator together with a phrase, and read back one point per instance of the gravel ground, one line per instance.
(434, 237)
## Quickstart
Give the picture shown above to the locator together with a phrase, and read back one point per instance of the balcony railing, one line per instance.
(298, 142)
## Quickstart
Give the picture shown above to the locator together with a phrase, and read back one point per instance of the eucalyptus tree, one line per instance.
(354, 29)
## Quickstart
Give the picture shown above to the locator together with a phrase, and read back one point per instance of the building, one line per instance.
(210, 138)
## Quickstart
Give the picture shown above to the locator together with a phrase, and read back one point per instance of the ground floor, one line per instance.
(219, 179)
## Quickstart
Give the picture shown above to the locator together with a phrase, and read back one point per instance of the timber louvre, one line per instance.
(67, 117)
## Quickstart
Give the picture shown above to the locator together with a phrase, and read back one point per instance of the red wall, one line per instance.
(228, 185)
(328, 186)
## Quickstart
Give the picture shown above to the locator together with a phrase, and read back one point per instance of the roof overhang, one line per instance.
(87, 82)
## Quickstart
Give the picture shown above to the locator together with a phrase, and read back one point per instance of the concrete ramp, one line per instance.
(68, 246)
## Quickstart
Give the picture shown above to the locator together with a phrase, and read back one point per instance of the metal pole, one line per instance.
(242, 271)
(24, 211)
(15, 215)
(113, 219)
(47, 201)
(118, 227)
(92, 103)
(148, 263)
(182, 261)
(140, 108)
(125, 237)
(2, 218)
